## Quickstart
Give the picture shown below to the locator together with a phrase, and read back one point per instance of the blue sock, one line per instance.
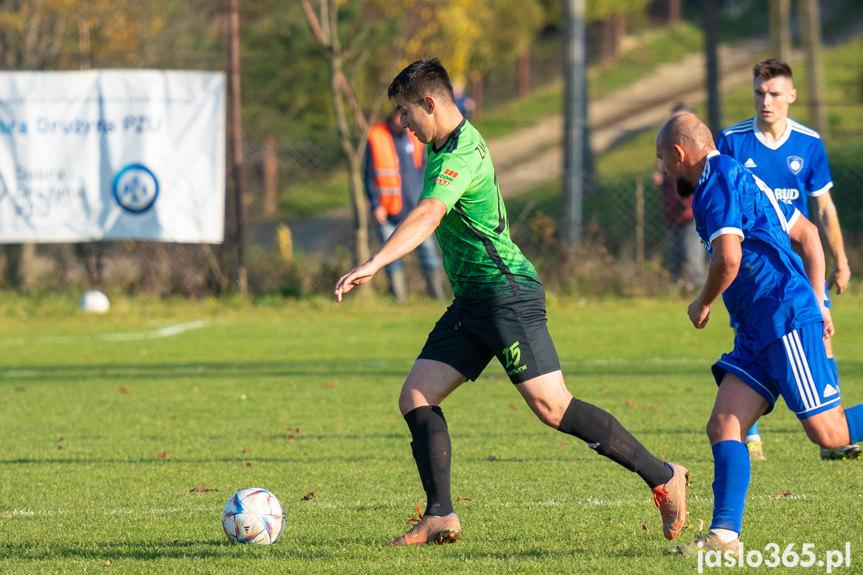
(731, 471)
(753, 430)
(854, 415)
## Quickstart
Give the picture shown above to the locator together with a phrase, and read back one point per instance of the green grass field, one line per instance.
(111, 422)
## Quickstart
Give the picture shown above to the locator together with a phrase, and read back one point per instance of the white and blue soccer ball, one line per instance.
(253, 515)
(94, 301)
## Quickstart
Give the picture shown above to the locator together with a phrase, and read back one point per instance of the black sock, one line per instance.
(608, 437)
(432, 452)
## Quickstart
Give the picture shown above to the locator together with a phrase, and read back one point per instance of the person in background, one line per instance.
(395, 164)
(792, 160)
(686, 257)
(465, 104)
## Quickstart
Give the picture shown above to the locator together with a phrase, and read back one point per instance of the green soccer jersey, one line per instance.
(483, 264)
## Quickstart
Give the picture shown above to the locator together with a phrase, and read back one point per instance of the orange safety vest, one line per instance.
(385, 163)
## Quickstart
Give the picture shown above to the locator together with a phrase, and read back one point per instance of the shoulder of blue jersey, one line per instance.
(739, 127)
(805, 130)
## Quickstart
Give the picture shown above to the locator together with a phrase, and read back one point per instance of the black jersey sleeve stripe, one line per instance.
(501, 220)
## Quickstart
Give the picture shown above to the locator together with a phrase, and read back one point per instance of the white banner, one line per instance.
(112, 155)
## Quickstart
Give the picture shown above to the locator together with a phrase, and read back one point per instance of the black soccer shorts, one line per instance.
(515, 333)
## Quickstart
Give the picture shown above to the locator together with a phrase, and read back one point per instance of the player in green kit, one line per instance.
(499, 311)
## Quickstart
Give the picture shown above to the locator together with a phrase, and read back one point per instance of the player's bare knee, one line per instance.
(547, 413)
(406, 400)
(826, 438)
(715, 429)
(722, 428)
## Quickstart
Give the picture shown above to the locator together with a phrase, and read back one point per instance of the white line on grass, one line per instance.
(590, 501)
(166, 331)
(128, 511)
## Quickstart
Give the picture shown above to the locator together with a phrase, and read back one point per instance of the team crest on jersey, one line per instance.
(446, 177)
(795, 164)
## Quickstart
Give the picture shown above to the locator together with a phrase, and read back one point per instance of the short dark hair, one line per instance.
(771, 68)
(421, 78)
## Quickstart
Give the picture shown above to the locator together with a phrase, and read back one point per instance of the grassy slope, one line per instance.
(302, 399)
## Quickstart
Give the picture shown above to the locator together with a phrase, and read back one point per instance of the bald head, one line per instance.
(688, 132)
(682, 145)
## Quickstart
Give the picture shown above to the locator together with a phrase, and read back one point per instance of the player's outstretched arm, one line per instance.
(724, 265)
(828, 221)
(807, 243)
(413, 230)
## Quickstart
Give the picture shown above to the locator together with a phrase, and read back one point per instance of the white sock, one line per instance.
(751, 438)
(725, 535)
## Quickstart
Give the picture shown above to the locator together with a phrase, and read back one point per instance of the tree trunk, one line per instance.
(19, 265)
(674, 12)
(613, 31)
(524, 72)
(361, 210)
(780, 28)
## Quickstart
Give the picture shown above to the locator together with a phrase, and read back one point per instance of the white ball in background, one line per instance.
(94, 301)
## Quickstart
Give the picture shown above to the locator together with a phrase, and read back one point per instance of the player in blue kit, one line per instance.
(781, 318)
(791, 159)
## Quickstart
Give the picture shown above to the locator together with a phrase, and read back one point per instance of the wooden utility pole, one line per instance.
(810, 28)
(780, 28)
(238, 170)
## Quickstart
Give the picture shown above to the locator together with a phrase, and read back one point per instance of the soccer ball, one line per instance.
(94, 301)
(253, 515)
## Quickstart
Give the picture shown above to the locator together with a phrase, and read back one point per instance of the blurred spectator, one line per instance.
(463, 101)
(686, 256)
(395, 166)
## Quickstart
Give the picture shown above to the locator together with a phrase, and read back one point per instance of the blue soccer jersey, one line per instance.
(795, 166)
(771, 295)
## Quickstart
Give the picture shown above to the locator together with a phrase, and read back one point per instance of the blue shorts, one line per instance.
(794, 366)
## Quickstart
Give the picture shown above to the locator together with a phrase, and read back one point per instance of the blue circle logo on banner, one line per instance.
(136, 188)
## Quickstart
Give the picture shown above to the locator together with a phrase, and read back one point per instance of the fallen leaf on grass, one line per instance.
(164, 455)
(562, 445)
(653, 407)
(309, 496)
(331, 384)
(784, 494)
(247, 464)
(202, 489)
(631, 403)
(293, 430)
(644, 526)
(108, 563)
(512, 407)
(124, 389)
(460, 498)
(61, 447)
